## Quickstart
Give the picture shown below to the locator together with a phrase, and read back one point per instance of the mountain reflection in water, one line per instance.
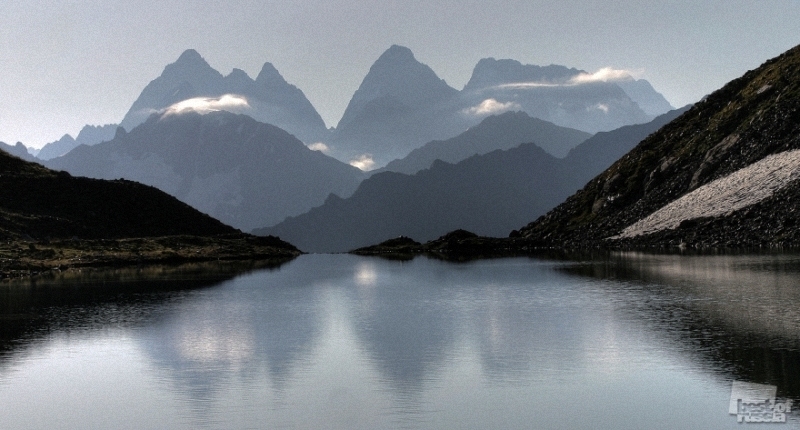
(340, 341)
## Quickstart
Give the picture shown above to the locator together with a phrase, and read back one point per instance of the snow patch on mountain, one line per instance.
(723, 196)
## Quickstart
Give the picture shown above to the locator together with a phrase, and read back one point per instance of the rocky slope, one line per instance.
(673, 175)
(37, 202)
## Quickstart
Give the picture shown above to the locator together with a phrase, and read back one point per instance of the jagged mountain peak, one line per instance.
(399, 63)
(188, 64)
(271, 99)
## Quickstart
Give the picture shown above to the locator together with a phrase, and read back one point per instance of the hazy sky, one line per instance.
(66, 63)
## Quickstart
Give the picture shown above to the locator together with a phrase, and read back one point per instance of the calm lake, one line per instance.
(618, 341)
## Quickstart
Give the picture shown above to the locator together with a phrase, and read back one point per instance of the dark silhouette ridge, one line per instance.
(488, 194)
(38, 203)
(502, 131)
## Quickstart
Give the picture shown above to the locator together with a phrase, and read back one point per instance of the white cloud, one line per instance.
(319, 146)
(527, 85)
(363, 162)
(203, 105)
(603, 107)
(491, 107)
(606, 74)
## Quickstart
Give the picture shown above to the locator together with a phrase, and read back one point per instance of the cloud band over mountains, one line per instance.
(606, 74)
(228, 102)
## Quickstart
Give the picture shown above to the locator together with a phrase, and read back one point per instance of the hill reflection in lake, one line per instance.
(738, 313)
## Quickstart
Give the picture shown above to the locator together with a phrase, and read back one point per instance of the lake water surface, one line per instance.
(622, 341)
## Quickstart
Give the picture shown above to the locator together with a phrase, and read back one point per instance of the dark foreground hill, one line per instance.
(45, 216)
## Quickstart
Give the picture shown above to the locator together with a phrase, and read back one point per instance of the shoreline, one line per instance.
(28, 258)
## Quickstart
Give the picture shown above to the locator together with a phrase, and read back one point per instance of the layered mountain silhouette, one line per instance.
(486, 194)
(502, 131)
(38, 203)
(723, 174)
(402, 104)
(89, 135)
(240, 171)
(268, 98)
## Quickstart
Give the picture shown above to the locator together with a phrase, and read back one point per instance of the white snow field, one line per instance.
(723, 196)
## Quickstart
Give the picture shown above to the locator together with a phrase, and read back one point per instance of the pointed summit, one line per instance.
(397, 108)
(269, 75)
(190, 56)
(190, 65)
(185, 78)
(398, 76)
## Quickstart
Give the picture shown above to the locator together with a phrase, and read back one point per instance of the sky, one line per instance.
(67, 63)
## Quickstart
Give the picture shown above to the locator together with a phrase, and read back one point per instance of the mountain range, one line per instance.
(489, 194)
(402, 104)
(89, 135)
(240, 171)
